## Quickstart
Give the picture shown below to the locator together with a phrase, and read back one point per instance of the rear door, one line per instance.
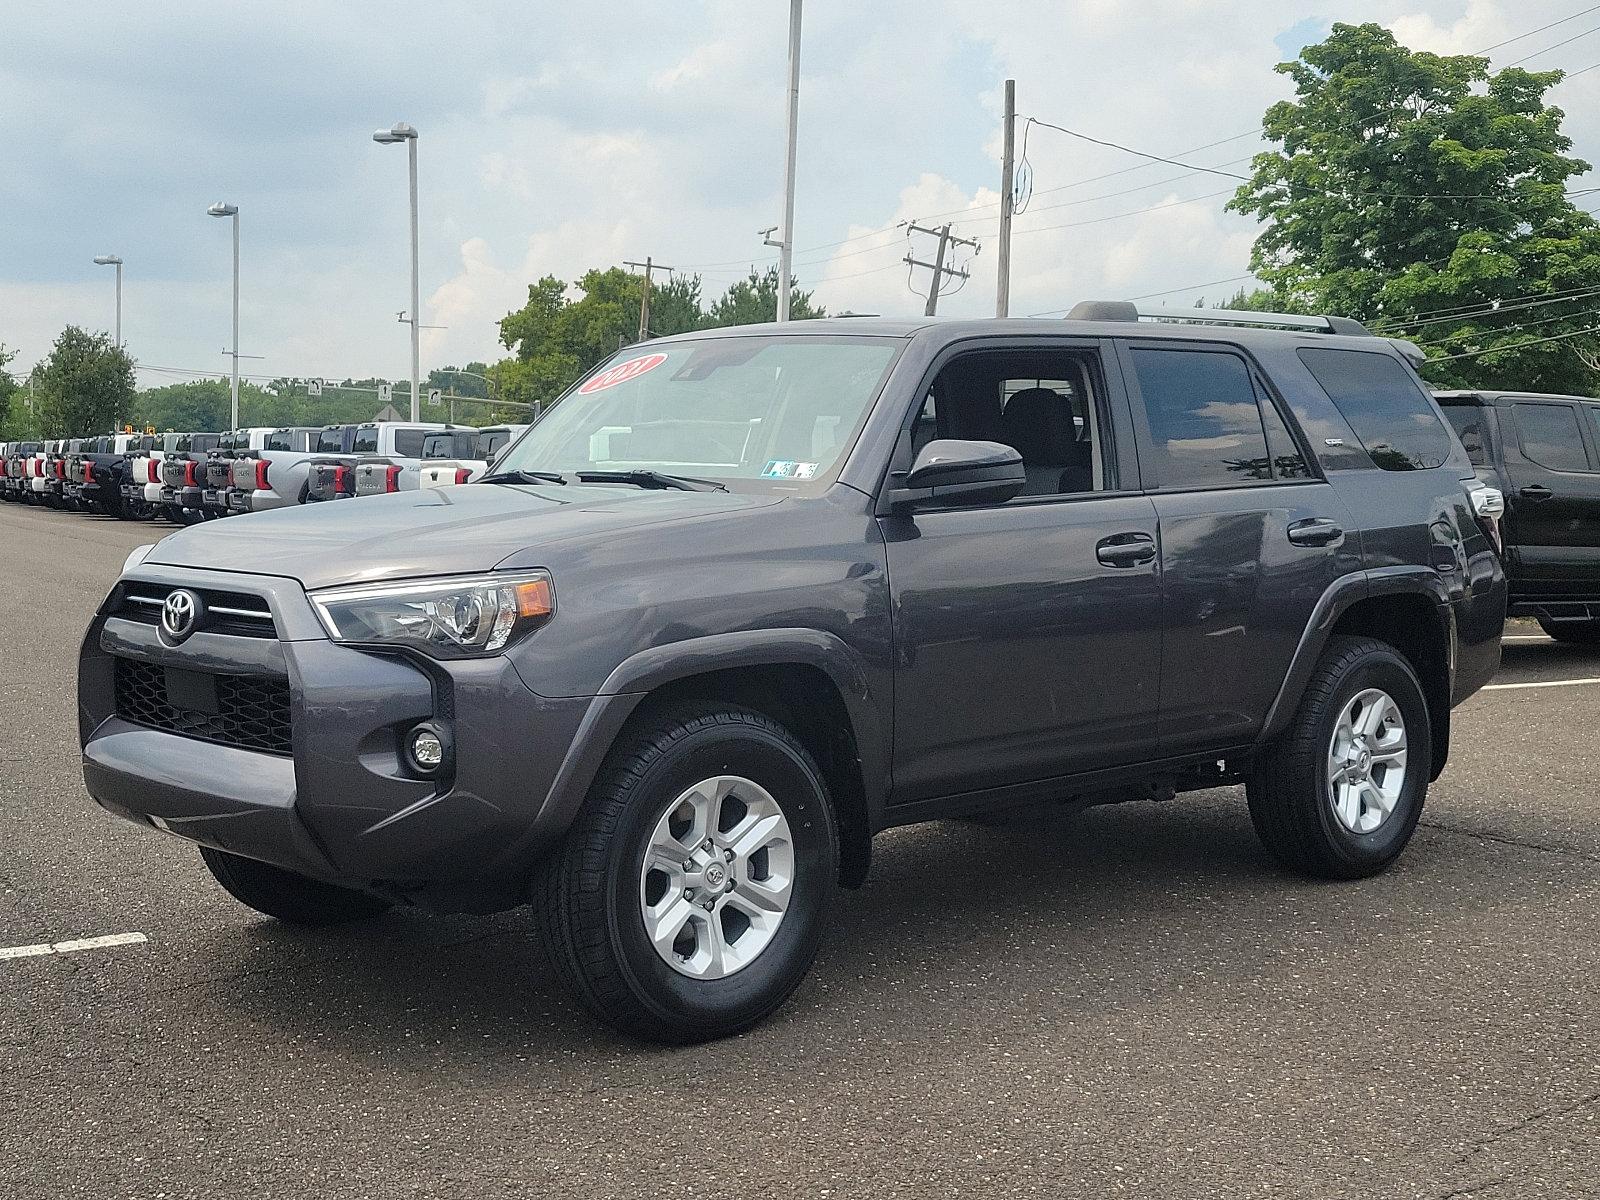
(1553, 511)
(1251, 536)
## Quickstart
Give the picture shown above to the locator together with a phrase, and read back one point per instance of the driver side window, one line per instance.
(1045, 404)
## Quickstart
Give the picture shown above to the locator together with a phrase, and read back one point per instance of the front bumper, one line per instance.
(343, 805)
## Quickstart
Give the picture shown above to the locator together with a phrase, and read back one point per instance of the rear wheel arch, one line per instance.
(1405, 609)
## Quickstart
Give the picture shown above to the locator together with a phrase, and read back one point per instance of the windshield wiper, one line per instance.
(523, 477)
(652, 479)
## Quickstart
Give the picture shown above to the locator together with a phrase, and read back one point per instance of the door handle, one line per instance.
(1536, 492)
(1315, 531)
(1125, 549)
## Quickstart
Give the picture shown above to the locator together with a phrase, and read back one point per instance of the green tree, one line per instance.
(16, 418)
(85, 386)
(1406, 186)
(755, 299)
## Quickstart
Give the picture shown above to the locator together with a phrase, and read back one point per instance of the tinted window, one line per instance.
(1468, 422)
(1552, 437)
(1204, 421)
(330, 440)
(1287, 460)
(1594, 417)
(277, 441)
(438, 445)
(366, 441)
(1384, 405)
(408, 442)
(488, 443)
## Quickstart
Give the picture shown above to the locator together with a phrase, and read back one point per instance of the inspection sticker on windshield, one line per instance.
(621, 373)
(782, 469)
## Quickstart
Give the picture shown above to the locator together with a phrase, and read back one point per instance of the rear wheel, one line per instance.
(688, 899)
(1573, 633)
(291, 898)
(1340, 794)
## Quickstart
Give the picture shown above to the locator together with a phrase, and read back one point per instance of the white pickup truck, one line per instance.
(465, 463)
(388, 457)
(142, 493)
(275, 473)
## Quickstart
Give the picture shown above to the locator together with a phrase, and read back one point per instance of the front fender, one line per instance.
(637, 676)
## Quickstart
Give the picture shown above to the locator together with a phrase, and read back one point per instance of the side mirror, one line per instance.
(952, 471)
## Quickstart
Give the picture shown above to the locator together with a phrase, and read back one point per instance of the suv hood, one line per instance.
(436, 531)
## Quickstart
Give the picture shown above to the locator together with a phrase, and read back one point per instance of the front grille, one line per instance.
(249, 711)
(237, 613)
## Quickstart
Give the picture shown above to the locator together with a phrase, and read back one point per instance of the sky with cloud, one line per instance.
(555, 137)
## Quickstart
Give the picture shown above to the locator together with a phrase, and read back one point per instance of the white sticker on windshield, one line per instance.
(621, 373)
(779, 468)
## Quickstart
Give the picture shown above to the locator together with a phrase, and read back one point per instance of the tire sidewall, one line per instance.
(750, 993)
(1390, 673)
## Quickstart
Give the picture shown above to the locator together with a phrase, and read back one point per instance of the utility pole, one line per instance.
(786, 246)
(1002, 301)
(937, 265)
(648, 265)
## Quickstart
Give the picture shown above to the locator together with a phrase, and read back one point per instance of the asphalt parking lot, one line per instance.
(1132, 1001)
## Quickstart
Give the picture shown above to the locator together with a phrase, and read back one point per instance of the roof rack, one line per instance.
(1126, 310)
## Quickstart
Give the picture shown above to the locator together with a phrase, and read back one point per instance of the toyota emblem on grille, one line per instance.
(180, 613)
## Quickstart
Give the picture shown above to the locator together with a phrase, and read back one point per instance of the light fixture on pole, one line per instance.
(111, 260)
(402, 132)
(219, 209)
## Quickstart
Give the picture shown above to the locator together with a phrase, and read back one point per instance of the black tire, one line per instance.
(1573, 633)
(1291, 800)
(588, 892)
(291, 898)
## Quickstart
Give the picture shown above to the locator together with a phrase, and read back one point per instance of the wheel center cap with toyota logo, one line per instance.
(715, 874)
(180, 614)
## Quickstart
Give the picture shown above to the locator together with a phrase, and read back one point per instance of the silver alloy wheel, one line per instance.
(715, 882)
(1367, 761)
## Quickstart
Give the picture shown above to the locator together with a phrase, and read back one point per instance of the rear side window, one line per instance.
(489, 443)
(438, 445)
(1468, 422)
(1594, 419)
(408, 442)
(330, 440)
(1389, 412)
(1551, 436)
(366, 442)
(277, 441)
(1205, 424)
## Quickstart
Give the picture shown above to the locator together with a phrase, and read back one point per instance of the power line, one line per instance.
(1152, 295)
(1462, 311)
(1516, 61)
(1573, 17)
(1516, 345)
(1460, 335)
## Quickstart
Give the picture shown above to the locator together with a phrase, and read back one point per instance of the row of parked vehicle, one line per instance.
(191, 477)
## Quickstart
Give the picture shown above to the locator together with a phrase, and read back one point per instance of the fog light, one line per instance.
(427, 749)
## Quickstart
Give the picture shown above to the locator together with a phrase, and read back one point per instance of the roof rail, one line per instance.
(1126, 310)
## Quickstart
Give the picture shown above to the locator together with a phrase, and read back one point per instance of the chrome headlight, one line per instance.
(453, 617)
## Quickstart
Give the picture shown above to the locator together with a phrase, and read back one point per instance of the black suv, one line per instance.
(1543, 453)
(744, 598)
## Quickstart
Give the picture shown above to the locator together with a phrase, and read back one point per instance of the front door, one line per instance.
(1026, 640)
(1553, 511)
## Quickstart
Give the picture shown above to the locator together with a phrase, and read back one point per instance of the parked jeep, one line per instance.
(1543, 453)
(746, 597)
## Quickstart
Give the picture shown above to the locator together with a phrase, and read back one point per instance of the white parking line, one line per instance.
(72, 947)
(1506, 687)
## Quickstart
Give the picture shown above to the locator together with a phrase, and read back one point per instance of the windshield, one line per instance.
(771, 409)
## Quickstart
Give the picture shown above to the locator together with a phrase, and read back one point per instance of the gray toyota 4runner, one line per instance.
(747, 597)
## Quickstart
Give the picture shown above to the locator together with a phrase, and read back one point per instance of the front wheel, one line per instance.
(1340, 793)
(688, 899)
(1573, 633)
(291, 898)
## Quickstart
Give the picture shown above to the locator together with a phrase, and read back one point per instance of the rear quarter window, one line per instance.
(366, 442)
(330, 441)
(1388, 410)
(1467, 419)
(408, 442)
(1551, 436)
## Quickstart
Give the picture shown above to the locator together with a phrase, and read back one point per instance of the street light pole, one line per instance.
(112, 260)
(405, 133)
(786, 246)
(220, 209)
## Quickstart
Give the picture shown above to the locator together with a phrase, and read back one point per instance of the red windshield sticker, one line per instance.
(622, 372)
